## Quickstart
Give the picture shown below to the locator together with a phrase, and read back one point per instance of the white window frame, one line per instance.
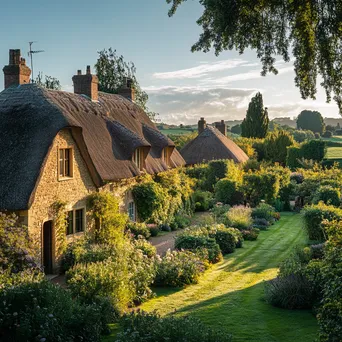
(131, 211)
(61, 160)
(137, 154)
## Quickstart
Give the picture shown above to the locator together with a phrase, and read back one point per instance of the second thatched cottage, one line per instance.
(60, 145)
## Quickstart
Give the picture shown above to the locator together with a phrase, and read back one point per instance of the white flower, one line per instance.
(50, 315)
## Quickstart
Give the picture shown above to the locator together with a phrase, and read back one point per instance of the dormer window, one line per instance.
(65, 165)
(137, 158)
(166, 156)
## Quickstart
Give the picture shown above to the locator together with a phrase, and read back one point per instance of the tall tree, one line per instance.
(111, 70)
(311, 120)
(255, 125)
(48, 82)
(276, 145)
(310, 30)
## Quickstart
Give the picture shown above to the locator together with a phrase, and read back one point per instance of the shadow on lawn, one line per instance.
(246, 314)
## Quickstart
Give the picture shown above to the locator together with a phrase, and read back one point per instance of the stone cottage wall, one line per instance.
(50, 189)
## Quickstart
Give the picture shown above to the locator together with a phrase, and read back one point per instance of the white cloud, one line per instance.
(199, 71)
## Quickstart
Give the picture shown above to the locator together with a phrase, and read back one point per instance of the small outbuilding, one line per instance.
(211, 144)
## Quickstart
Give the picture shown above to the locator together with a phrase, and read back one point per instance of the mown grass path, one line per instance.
(230, 296)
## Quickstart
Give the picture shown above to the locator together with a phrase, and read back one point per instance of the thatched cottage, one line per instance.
(212, 144)
(57, 145)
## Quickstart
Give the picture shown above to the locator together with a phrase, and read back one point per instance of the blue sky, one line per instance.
(182, 86)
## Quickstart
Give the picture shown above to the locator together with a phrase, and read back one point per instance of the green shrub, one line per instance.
(276, 145)
(290, 292)
(314, 149)
(150, 327)
(264, 211)
(219, 213)
(46, 312)
(293, 155)
(313, 217)
(138, 229)
(147, 249)
(226, 191)
(328, 195)
(259, 186)
(203, 200)
(18, 258)
(226, 238)
(250, 234)
(178, 268)
(194, 240)
(197, 171)
(240, 217)
(217, 169)
(327, 134)
(154, 229)
(182, 221)
(109, 222)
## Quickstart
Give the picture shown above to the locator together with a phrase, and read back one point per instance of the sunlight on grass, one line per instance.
(231, 294)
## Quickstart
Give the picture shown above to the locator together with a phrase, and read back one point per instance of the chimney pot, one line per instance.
(127, 89)
(87, 84)
(16, 72)
(202, 124)
(221, 126)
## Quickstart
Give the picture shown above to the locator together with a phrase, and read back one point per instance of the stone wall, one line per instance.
(73, 191)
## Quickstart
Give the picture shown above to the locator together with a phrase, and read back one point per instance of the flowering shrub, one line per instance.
(178, 268)
(138, 229)
(45, 312)
(264, 211)
(147, 327)
(196, 239)
(147, 249)
(240, 217)
(227, 238)
(17, 254)
(250, 234)
(154, 229)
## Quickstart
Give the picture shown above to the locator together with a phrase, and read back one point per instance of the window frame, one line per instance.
(65, 161)
(131, 211)
(74, 212)
(137, 158)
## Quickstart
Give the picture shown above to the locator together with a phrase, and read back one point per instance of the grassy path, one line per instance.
(230, 295)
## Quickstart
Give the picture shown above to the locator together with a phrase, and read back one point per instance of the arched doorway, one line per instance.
(47, 247)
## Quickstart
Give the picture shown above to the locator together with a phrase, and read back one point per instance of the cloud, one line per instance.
(187, 104)
(199, 71)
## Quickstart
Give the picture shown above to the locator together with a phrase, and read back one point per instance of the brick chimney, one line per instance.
(202, 124)
(221, 126)
(16, 72)
(127, 90)
(87, 84)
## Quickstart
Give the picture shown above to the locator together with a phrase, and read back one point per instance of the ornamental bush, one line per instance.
(276, 145)
(46, 312)
(217, 169)
(314, 216)
(264, 211)
(203, 200)
(262, 185)
(226, 191)
(147, 248)
(198, 239)
(328, 195)
(178, 268)
(250, 234)
(138, 229)
(226, 238)
(150, 327)
(290, 292)
(240, 217)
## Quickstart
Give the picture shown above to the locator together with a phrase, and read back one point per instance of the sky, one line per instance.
(182, 86)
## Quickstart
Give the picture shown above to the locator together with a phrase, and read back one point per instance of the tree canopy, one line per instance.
(48, 82)
(310, 30)
(255, 125)
(111, 70)
(311, 120)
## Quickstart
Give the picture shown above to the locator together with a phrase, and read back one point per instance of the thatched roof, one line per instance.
(107, 133)
(211, 144)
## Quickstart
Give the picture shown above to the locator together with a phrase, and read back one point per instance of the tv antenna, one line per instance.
(30, 54)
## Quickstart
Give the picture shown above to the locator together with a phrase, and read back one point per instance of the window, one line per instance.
(131, 211)
(65, 163)
(75, 221)
(79, 227)
(165, 155)
(70, 223)
(137, 158)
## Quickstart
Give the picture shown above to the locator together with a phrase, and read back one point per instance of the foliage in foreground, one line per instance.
(150, 327)
(46, 312)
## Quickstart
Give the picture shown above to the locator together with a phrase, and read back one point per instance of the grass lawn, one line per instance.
(334, 152)
(230, 295)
